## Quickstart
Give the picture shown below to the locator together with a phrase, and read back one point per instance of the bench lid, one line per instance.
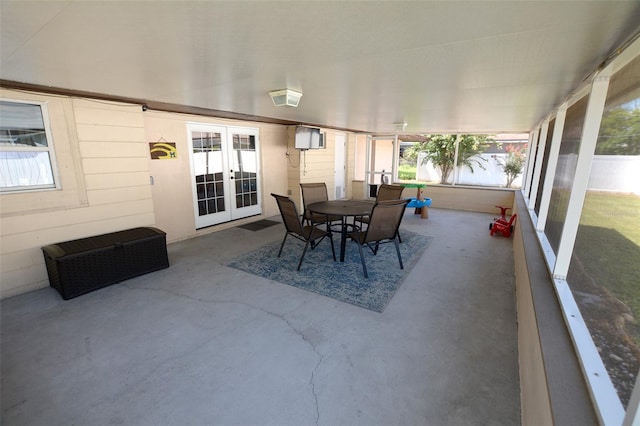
(102, 241)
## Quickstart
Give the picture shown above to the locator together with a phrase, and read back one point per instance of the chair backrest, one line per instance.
(389, 192)
(289, 213)
(313, 193)
(385, 220)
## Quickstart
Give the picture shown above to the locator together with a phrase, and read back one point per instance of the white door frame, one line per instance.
(226, 178)
(340, 174)
(371, 176)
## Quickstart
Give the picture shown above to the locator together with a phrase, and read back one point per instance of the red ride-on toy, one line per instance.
(501, 224)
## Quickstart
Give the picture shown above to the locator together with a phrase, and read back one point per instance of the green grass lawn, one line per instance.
(407, 172)
(608, 245)
(614, 211)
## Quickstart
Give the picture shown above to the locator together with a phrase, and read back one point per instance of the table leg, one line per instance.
(343, 238)
(418, 210)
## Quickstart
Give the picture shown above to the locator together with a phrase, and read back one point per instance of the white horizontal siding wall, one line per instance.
(114, 168)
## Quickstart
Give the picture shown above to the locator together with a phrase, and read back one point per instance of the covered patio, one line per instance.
(203, 343)
(483, 330)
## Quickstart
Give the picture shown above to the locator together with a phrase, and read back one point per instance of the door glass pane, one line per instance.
(604, 274)
(245, 169)
(208, 167)
(211, 206)
(200, 191)
(565, 172)
(210, 190)
(244, 142)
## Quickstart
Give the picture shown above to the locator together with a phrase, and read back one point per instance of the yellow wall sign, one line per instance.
(163, 150)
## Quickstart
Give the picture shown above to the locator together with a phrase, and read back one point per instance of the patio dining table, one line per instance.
(345, 209)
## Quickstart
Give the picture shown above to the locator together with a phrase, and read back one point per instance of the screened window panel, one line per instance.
(604, 273)
(489, 167)
(534, 153)
(565, 172)
(545, 160)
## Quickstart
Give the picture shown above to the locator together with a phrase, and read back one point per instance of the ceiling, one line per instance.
(451, 66)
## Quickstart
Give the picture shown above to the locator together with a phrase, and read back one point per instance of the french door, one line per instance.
(225, 173)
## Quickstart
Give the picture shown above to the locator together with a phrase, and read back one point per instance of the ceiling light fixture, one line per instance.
(285, 97)
(400, 126)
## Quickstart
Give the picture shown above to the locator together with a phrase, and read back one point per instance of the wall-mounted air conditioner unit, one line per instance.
(307, 137)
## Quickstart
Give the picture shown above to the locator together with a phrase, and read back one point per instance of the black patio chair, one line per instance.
(310, 234)
(384, 223)
(313, 193)
(386, 192)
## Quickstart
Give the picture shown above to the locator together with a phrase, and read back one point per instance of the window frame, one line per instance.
(49, 149)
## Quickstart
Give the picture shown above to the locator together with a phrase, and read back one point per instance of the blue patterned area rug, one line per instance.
(341, 281)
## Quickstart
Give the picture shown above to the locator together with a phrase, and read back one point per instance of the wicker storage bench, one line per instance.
(80, 266)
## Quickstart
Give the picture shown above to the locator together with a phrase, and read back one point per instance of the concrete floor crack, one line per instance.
(313, 388)
(279, 316)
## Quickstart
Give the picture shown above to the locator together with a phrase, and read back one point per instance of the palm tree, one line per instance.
(440, 150)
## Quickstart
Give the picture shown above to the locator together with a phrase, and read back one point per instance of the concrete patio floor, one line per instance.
(200, 343)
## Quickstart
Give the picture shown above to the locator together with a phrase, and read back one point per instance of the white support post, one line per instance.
(528, 170)
(632, 416)
(593, 117)
(367, 168)
(606, 401)
(455, 161)
(396, 160)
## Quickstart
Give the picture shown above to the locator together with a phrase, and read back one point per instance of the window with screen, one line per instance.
(26, 151)
(533, 153)
(565, 172)
(545, 160)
